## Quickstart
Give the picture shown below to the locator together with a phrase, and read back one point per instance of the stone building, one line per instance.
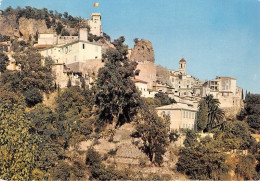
(95, 24)
(182, 115)
(184, 85)
(142, 87)
(73, 60)
(226, 91)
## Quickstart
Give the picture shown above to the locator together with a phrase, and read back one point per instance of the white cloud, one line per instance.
(0, 3)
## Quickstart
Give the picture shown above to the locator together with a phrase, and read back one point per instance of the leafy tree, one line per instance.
(174, 135)
(17, 145)
(136, 40)
(245, 168)
(32, 97)
(4, 61)
(164, 98)
(43, 122)
(33, 78)
(74, 113)
(107, 37)
(59, 28)
(203, 162)
(191, 139)
(153, 132)
(251, 111)
(65, 15)
(236, 135)
(117, 97)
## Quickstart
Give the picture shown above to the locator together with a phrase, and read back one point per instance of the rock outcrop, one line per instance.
(143, 51)
(27, 27)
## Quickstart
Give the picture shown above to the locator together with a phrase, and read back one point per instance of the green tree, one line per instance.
(202, 118)
(43, 122)
(246, 167)
(203, 162)
(117, 97)
(236, 135)
(252, 111)
(4, 61)
(33, 78)
(153, 132)
(191, 139)
(164, 98)
(18, 147)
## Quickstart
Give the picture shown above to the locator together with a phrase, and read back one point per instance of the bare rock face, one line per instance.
(143, 51)
(8, 25)
(23, 27)
(29, 27)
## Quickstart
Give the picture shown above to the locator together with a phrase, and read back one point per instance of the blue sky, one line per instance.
(216, 37)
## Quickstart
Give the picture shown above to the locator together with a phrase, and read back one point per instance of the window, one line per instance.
(184, 114)
(83, 46)
(96, 48)
(187, 114)
(193, 115)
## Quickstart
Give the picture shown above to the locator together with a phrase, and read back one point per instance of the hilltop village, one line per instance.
(75, 105)
(75, 57)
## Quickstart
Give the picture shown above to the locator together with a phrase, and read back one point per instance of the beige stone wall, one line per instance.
(67, 39)
(60, 74)
(95, 24)
(180, 118)
(87, 67)
(47, 39)
(147, 72)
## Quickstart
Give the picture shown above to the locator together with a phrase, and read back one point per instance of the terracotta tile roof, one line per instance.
(182, 60)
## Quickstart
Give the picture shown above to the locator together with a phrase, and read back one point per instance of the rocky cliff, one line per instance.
(22, 27)
(28, 27)
(143, 51)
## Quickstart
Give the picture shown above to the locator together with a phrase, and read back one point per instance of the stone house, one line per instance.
(182, 115)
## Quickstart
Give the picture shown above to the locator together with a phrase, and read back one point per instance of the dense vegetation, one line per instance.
(51, 134)
(231, 146)
(251, 112)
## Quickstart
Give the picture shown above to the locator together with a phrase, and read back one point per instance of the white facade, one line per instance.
(79, 51)
(142, 87)
(182, 115)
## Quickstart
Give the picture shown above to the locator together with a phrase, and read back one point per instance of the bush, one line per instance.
(32, 97)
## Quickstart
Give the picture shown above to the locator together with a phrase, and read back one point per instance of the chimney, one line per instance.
(83, 34)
